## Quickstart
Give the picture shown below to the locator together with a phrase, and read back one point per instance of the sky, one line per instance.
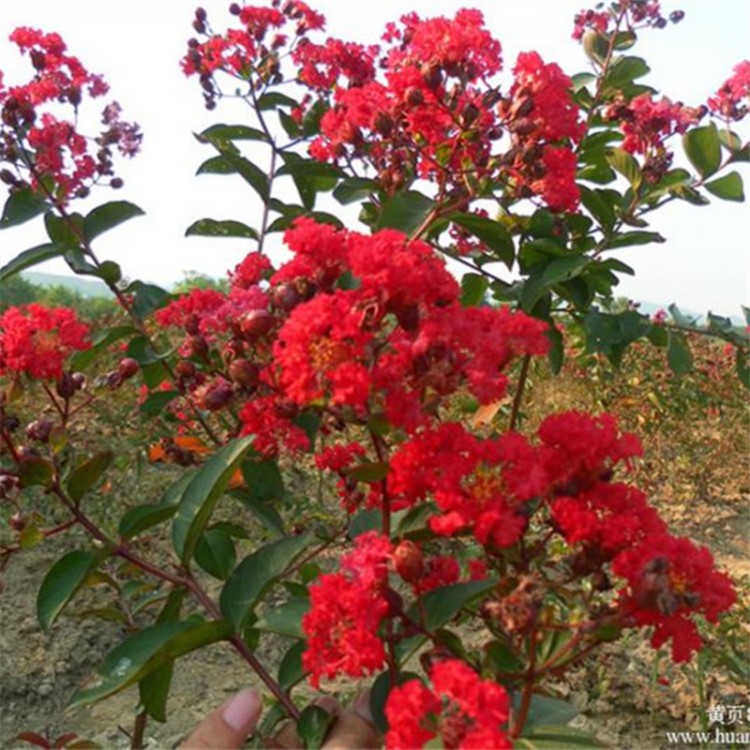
(137, 44)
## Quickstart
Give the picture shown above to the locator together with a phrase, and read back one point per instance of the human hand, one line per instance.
(228, 727)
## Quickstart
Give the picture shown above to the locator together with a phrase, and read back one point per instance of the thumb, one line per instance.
(355, 728)
(227, 727)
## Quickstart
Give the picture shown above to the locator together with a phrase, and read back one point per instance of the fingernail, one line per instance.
(362, 706)
(242, 711)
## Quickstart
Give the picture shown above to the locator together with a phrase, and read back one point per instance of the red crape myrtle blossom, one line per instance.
(479, 484)
(58, 152)
(635, 13)
(461, 711)
(346, 611)
(731, 101)
(37, 340)
(669, 579)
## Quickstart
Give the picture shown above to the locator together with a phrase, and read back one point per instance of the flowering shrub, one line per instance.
(360, 357)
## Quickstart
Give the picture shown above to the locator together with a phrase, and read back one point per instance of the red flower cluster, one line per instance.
(460, 710)
(59, 152)
(670, 579)
(346, 611)
(37, 340)
(731, 100)
(628, 13)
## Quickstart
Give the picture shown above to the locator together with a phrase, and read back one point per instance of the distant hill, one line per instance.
(84, 287)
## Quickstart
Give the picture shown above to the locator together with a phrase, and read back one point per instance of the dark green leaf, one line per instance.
(491, 233)
(742, 366)
(87, 474)
(215, 552)
(147, 651)
(473, 288)
(624, 163)
(441, 605)
(729, 187)
(61, 583)
(680, 318)
(262, 510)
(581, 80)
(263, 479)
(274, 99)
(148, 297)
(214, 228)
(405, 211)
(354, 189)
(556, 353)
(365, 520)
(291, 128)
(232, 133)
(32, 257)
(625, 70)
(595, 45)
(370, 471)
(313, 725)
(22, 206)
(68, 231)
(106, 217)
(558, 738)
(215, 165)
(143, 517)
(201, 495)
(290, 670)
(547, 711)
(285, 619)
(679, 356)
(558, 270)
(155, 403)
(626, 239)
(252, 577)
(35, 472)
(601, 205)
(611, 334)
(703, 148)
(252, 174)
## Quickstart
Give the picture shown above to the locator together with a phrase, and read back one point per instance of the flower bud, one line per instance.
(17, 521)
(414, 96)
(408, 561)
(127, 368)
(245, 373)
(65, 386)
(215, 396)
(256, 323)
(185, 369)
(198, 346)
(285, 297)
(39, 429)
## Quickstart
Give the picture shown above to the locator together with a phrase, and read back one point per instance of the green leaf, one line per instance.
(703, 148)
(627, 239)
(595, 45)
(290, 670)
(473, 289)
(601, 205)
(232, 133)
(405, 211)
(679, 356)
(365, 520)
(285, 619)
(729, 187)
(148, 297)
(274, 99)
(558, 270)
(108, 216)
(102, 340)
(155, 403)
(547, 711)
(252, 577)
(87, 474)
(147, 651)
(680, 318)
(370, 471)
(354, 189)
(556, 353)
(611, 334)
(214, 228)
(144, 517)
(61, 583)
(32, 257)
(263, 478)
(491, 233)
(21, 206)
(35, 472)
(624, 163)
(441, 605)
(624, 70)
(261, 509)
(742, 366)
(558, 738)
(313, 725)
(215, 165)
(215, 552)
(230, 162)
(206, 486)
(68, 231)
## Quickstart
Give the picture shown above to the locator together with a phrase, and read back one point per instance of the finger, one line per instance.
(355, 728)
(288, 739)
(227, 728)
